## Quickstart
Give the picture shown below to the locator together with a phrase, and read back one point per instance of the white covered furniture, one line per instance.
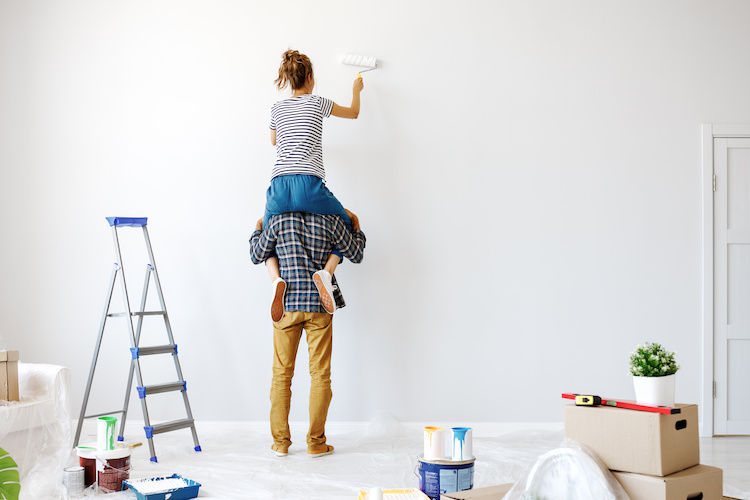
(35, 431)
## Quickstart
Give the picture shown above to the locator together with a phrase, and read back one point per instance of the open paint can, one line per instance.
(438, 477)
(112, 468)
(109, 468)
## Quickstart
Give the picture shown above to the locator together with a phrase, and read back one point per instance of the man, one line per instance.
(303, 243)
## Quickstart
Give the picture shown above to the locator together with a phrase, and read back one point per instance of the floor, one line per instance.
(236, 462)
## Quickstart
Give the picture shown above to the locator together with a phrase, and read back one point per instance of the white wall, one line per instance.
(527, 174)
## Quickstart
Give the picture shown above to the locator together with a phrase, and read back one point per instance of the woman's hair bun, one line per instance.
(294, 69)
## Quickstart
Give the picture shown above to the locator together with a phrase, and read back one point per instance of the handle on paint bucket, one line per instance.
(107, 466)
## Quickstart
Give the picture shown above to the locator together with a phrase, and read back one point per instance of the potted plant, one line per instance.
(653, 369)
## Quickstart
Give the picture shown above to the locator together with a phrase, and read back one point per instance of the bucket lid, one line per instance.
(421, 458)
(93, 453)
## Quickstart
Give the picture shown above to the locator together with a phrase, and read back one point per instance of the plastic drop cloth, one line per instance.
(571, 472)
(35, 431)
(237, 463)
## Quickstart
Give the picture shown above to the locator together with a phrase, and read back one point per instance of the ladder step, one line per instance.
(136, 352)
(168, 426)
(145, 313)
(155, 389)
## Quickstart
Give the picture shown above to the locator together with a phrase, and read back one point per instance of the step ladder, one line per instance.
(136, 351)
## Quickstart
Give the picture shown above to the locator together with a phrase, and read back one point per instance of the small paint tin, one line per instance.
(73, 480)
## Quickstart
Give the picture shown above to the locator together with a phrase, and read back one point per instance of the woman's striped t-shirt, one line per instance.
(298, 122)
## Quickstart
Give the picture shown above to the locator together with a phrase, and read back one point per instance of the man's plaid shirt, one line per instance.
(303, 243)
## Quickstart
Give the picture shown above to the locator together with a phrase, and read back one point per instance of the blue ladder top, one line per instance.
(127, 221)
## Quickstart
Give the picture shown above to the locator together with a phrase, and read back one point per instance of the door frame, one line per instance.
(710, 131)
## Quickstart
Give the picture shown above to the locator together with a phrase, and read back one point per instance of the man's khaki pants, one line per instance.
(286, 338)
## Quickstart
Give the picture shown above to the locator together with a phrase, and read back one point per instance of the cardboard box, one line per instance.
(637, 441)
(9, 375)
(701, 481)
(489, 493)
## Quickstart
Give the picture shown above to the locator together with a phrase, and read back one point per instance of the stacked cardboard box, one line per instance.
(654, 456)
(9, 375)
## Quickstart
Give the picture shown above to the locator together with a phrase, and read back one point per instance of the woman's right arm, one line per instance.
(352, 111)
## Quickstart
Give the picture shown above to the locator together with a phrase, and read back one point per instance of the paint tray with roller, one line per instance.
(172, 487)
(412, 494)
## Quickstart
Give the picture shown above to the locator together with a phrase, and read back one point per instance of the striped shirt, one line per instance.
(303, 243)
(298, 122)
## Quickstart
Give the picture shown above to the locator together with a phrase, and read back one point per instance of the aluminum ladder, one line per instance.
(136, 351)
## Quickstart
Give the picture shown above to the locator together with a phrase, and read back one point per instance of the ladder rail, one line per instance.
(135, 363)
(90, 380)
(126, 300)
(139, 325)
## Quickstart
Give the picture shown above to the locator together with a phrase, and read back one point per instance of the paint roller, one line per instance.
(362, 61)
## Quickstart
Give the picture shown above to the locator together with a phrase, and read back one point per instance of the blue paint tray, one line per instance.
(172, 487)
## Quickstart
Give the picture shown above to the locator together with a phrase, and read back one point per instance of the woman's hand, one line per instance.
(358, 84)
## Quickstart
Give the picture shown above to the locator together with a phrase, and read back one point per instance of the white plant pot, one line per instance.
(654, 391)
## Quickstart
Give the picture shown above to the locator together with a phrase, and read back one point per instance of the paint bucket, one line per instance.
(108, 468)
(462, 443)
(112, 468)
(73, 479)
(438, 477)
(434, 443)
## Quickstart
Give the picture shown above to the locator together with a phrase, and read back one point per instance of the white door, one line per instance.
(732, 286)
